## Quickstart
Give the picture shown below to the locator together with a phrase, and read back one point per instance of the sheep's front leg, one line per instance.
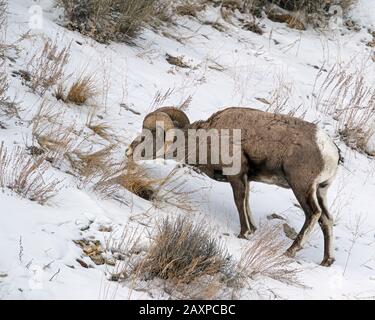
(240, 187)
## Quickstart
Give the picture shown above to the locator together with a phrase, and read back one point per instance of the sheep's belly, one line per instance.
(272, 179)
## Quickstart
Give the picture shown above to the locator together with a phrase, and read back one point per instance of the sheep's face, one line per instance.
(150, 144)
(159, 128)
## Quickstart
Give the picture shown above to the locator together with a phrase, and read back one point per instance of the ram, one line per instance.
(274, 149)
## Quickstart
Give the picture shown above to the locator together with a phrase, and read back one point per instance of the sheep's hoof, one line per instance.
(291, 253)
(327, 262)
(246, 235)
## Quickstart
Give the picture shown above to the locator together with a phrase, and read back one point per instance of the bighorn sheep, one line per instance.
(275, 149)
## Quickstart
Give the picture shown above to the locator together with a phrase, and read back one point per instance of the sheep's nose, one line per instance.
(129, 152)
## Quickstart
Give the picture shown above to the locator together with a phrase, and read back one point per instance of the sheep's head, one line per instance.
(155, 126)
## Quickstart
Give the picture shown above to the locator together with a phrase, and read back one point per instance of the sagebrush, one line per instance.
(183, 251)
(112, 20)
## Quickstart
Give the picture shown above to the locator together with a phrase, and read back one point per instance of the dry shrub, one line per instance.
(189, 8)
(309, 6)
(101, 129)
(182, 252)
(90, 165)
(26, 175)
(264, 256)
(137, 181)
(82, 90)
(129, 176)
(51, 136)
(165, 192)
(8, 108)
(46, 68)
(346, 96)
(60, 92)
(311, 11)
(112, 20)
(171, 191)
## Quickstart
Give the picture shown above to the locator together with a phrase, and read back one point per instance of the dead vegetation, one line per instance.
(190, 8)
(187, 262)
(295, 13)
(51, 136)
(129, 176)
(264, 256)
(183, 259)
(168, 191)
(26, 175)
(346, 96)
(46, 68)
(182, 252)
(113, 20)
(83, 89)
(8, 107)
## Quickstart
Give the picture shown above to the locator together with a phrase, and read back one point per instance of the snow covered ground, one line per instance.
(228, 68)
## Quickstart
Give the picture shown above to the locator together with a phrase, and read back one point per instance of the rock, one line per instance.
(97, 259)
(110, 262)
(105, 229)
(82, 263)
(253, 27)
(289, 231)
(176, 61)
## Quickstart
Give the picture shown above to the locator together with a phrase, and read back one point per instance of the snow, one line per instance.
(36, 242)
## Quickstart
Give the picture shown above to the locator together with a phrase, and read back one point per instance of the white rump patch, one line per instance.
(330, 155)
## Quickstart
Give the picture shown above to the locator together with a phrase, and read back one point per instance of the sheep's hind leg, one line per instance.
(326, 224)
(309, 203)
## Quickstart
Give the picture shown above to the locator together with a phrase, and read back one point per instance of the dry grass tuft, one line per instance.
(293, 12)
(90, 165)
(101, 129)
(169, 191)
(51, 137)
(137, 181)
(113, 20)
(264, 256)
(82, 90)
(26, 176)
(46, 68)
(346, 96)
(60, 92)
(190, 8)
(129, 176)
(182, 252)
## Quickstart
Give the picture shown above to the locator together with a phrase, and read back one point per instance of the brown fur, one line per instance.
(280, 150)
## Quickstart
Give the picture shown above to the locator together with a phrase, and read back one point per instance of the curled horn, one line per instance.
(150, 121)
(178, 117)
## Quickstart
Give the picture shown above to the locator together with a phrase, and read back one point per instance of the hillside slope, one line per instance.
(225, 68)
